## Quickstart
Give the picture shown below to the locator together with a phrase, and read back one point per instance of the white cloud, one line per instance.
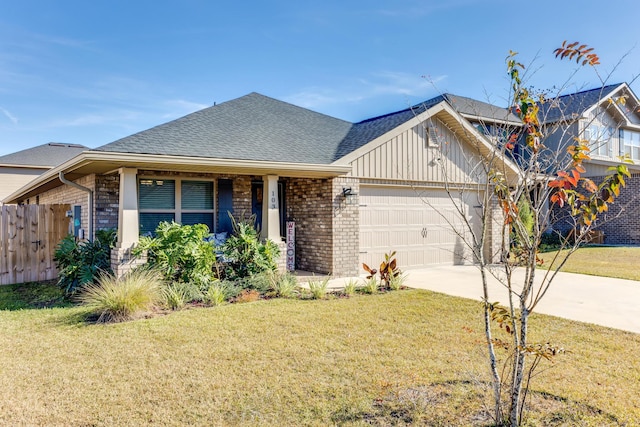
(180, 107)
(377, 84)
(93, 119)
(10, 116)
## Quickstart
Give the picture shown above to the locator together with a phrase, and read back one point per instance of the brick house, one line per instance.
(609, 119)
(354, 190)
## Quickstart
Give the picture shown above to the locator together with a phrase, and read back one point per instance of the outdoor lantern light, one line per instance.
(349, 196)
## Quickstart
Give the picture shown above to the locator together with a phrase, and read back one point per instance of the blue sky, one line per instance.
(90, 72)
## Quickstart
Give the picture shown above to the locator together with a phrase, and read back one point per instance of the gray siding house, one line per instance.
(19, 168)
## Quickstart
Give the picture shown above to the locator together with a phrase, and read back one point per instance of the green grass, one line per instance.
(618, 262)
(407, 357)
(32, 295)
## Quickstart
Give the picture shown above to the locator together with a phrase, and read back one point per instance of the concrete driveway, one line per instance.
(601, 300)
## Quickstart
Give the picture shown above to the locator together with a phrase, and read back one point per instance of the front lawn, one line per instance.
(621, 262)
(405, 357)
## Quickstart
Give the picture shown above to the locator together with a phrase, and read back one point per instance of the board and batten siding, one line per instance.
(412, 156)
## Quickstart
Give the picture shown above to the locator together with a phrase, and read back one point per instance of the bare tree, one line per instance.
(528, 163)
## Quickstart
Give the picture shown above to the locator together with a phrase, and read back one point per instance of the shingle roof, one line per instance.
(367, 130)
(257, 127)
(575, 103)
(484, 110)
(45, 155)
(252, 127)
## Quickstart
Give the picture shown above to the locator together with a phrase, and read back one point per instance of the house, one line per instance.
(17, 169)
(609, 119)
(354, 191)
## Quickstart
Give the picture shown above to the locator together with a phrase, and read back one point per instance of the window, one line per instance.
(184, 201)
(600, 139)
(630, 142)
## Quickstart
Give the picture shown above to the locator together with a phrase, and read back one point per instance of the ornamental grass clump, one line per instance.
(114, 299)
(350, 288)
(318, 288)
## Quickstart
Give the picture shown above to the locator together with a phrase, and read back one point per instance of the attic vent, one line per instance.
(431, 136)
(62, 144)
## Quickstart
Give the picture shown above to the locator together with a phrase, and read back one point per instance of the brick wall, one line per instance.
(309, 204)
(72, 196)
(107, 189)
(495, 230)
(620, 225)
(346, 228)
(327, 228)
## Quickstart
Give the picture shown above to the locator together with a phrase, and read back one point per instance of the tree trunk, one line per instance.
(493, 363)
(516, 391)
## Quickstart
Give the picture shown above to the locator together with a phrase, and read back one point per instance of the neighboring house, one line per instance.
(609, 119)
(17, 169)
(354, 191)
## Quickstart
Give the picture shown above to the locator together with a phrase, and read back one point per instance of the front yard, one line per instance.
(620, 262)
(402, 357)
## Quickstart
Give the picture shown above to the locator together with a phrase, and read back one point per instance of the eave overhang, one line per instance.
(101, 162)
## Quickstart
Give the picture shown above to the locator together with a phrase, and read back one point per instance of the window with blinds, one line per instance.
(180, 200)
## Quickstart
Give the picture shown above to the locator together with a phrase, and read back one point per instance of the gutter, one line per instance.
(89, 198)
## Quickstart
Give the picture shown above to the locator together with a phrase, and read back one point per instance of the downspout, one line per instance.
(89, 198)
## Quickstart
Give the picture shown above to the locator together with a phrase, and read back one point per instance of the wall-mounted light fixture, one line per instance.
(349, 195)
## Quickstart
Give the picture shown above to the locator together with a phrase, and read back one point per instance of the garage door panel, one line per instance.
(400, 219)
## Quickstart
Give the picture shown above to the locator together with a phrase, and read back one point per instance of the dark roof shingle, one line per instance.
(252, 127)
(567, 106)
(45, 155)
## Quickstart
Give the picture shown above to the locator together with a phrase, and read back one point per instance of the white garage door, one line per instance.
(417, 224)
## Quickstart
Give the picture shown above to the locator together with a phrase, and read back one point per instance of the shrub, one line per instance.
(350, 288)
(550, 241)
(180, 252)
(80, 263)
(388, 270)
(318, 288)
(397, 282)
(245, 254)
(176, 295)
(283, 285)
(118, 299)
(370, 286)
(219, 292)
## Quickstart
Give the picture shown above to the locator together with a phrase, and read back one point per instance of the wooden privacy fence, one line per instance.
(28, 238)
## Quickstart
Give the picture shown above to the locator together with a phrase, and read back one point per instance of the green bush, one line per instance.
(371, 286)
(178, 294)
(318, 288)
(350, 287)
(80, 263)
(283, 285)
(550, 241)
(397, 282)
(181, 253)
(219, 292)
(118, 299)
(245, 255)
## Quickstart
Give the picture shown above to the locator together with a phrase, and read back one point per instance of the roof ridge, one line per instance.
(412, 108)
(296, 106)
(601, 88)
